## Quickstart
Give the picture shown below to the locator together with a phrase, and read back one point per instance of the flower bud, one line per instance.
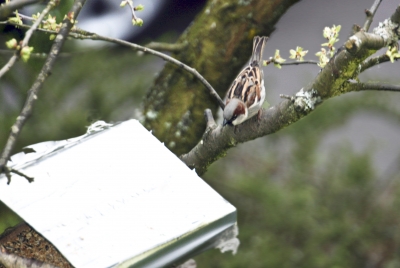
(12, 44)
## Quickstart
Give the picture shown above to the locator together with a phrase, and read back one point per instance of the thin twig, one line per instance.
(166, 46)
(34, 90)
(28, 35)
(374, 61)
(24, 17)
(129, 2)
(299, 62)
(354, 86)
(9, 64)
(210, 119)
(370, 14)
(288, 97)
(7, 8)
(8, 172)
(286, 63)
(92, 36)
(36, 24)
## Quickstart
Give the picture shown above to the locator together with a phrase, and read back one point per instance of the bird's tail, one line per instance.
(258, 47)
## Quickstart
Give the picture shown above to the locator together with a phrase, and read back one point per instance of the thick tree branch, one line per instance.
(333, 80)
(216, 141)
(34, 90)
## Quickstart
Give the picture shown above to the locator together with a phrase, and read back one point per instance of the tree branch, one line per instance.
(354, 86)
(370, 14)
(396, 17)
(34, 90)
(216, 141)
(299, 62)
(286, 63)
(166, 46)
(332, 80)
(368, 63)
(9, 64)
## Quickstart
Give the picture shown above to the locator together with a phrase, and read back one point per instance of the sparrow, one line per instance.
(246, 95)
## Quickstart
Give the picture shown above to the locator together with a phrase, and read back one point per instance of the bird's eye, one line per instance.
(234, 117)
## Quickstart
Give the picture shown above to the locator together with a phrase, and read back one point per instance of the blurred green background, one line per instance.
(323, 192)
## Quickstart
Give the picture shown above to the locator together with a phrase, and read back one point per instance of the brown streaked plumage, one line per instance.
(247, 93)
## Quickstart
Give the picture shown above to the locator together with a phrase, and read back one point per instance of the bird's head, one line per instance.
(235, 112)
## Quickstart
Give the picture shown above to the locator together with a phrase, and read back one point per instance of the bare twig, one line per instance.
(28, 35)
(8, 8)
(24, 16)
(135, 19)
(299, 62)
(81, 34)
(354, 86)
(288, 97)
(129, 2)
(34, 90)
(374, 61)
(8, 171)
(9, 64)
(210, 119)
(370, 14)
(273, 61)
(166, 47)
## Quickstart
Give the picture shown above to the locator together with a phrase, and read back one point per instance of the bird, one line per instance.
(246, 95)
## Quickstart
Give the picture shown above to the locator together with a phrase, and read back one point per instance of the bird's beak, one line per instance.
(226, 122)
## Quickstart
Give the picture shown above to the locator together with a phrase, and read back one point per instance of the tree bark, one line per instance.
(219, 43)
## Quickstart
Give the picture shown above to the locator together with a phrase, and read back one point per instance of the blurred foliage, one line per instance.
(299, 209)
(7, 218)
